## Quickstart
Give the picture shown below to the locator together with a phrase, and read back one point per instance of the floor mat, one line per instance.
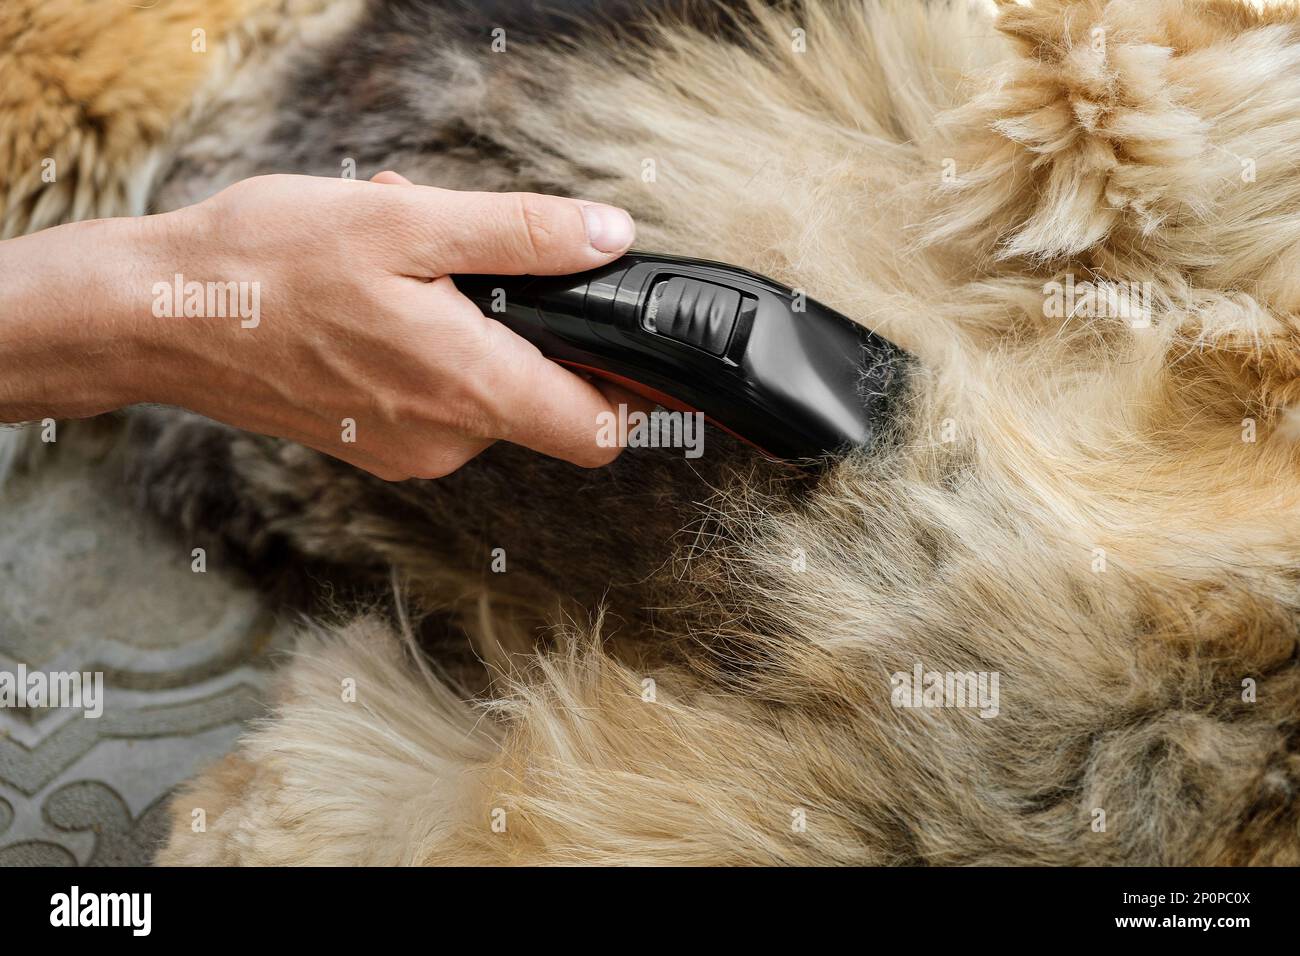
(87, 586)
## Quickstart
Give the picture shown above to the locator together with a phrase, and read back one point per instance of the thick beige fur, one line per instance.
(1074, 505)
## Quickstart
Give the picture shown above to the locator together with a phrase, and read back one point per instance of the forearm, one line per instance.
(74, 310)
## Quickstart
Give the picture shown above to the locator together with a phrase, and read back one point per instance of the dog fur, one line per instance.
(95, 95)
(692, 664)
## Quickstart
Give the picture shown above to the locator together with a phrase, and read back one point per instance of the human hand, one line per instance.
(362, 346)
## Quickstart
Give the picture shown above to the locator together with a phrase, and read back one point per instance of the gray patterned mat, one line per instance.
(86, 586)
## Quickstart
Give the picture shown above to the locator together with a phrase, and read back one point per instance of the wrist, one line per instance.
(66, 321)
(124, 318)
(146, 328)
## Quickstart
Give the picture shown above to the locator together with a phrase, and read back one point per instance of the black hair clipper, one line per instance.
(774, 368)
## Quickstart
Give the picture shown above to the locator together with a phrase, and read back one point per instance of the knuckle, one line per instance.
(538, 228)
(504, 357)
(392, 475)
(596, 456)
(257, 187)
(438, 464)
(477, 420)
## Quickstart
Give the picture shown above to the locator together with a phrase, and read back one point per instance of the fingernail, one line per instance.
(609, 229)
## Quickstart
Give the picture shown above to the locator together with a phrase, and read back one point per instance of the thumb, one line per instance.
(510, 233)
